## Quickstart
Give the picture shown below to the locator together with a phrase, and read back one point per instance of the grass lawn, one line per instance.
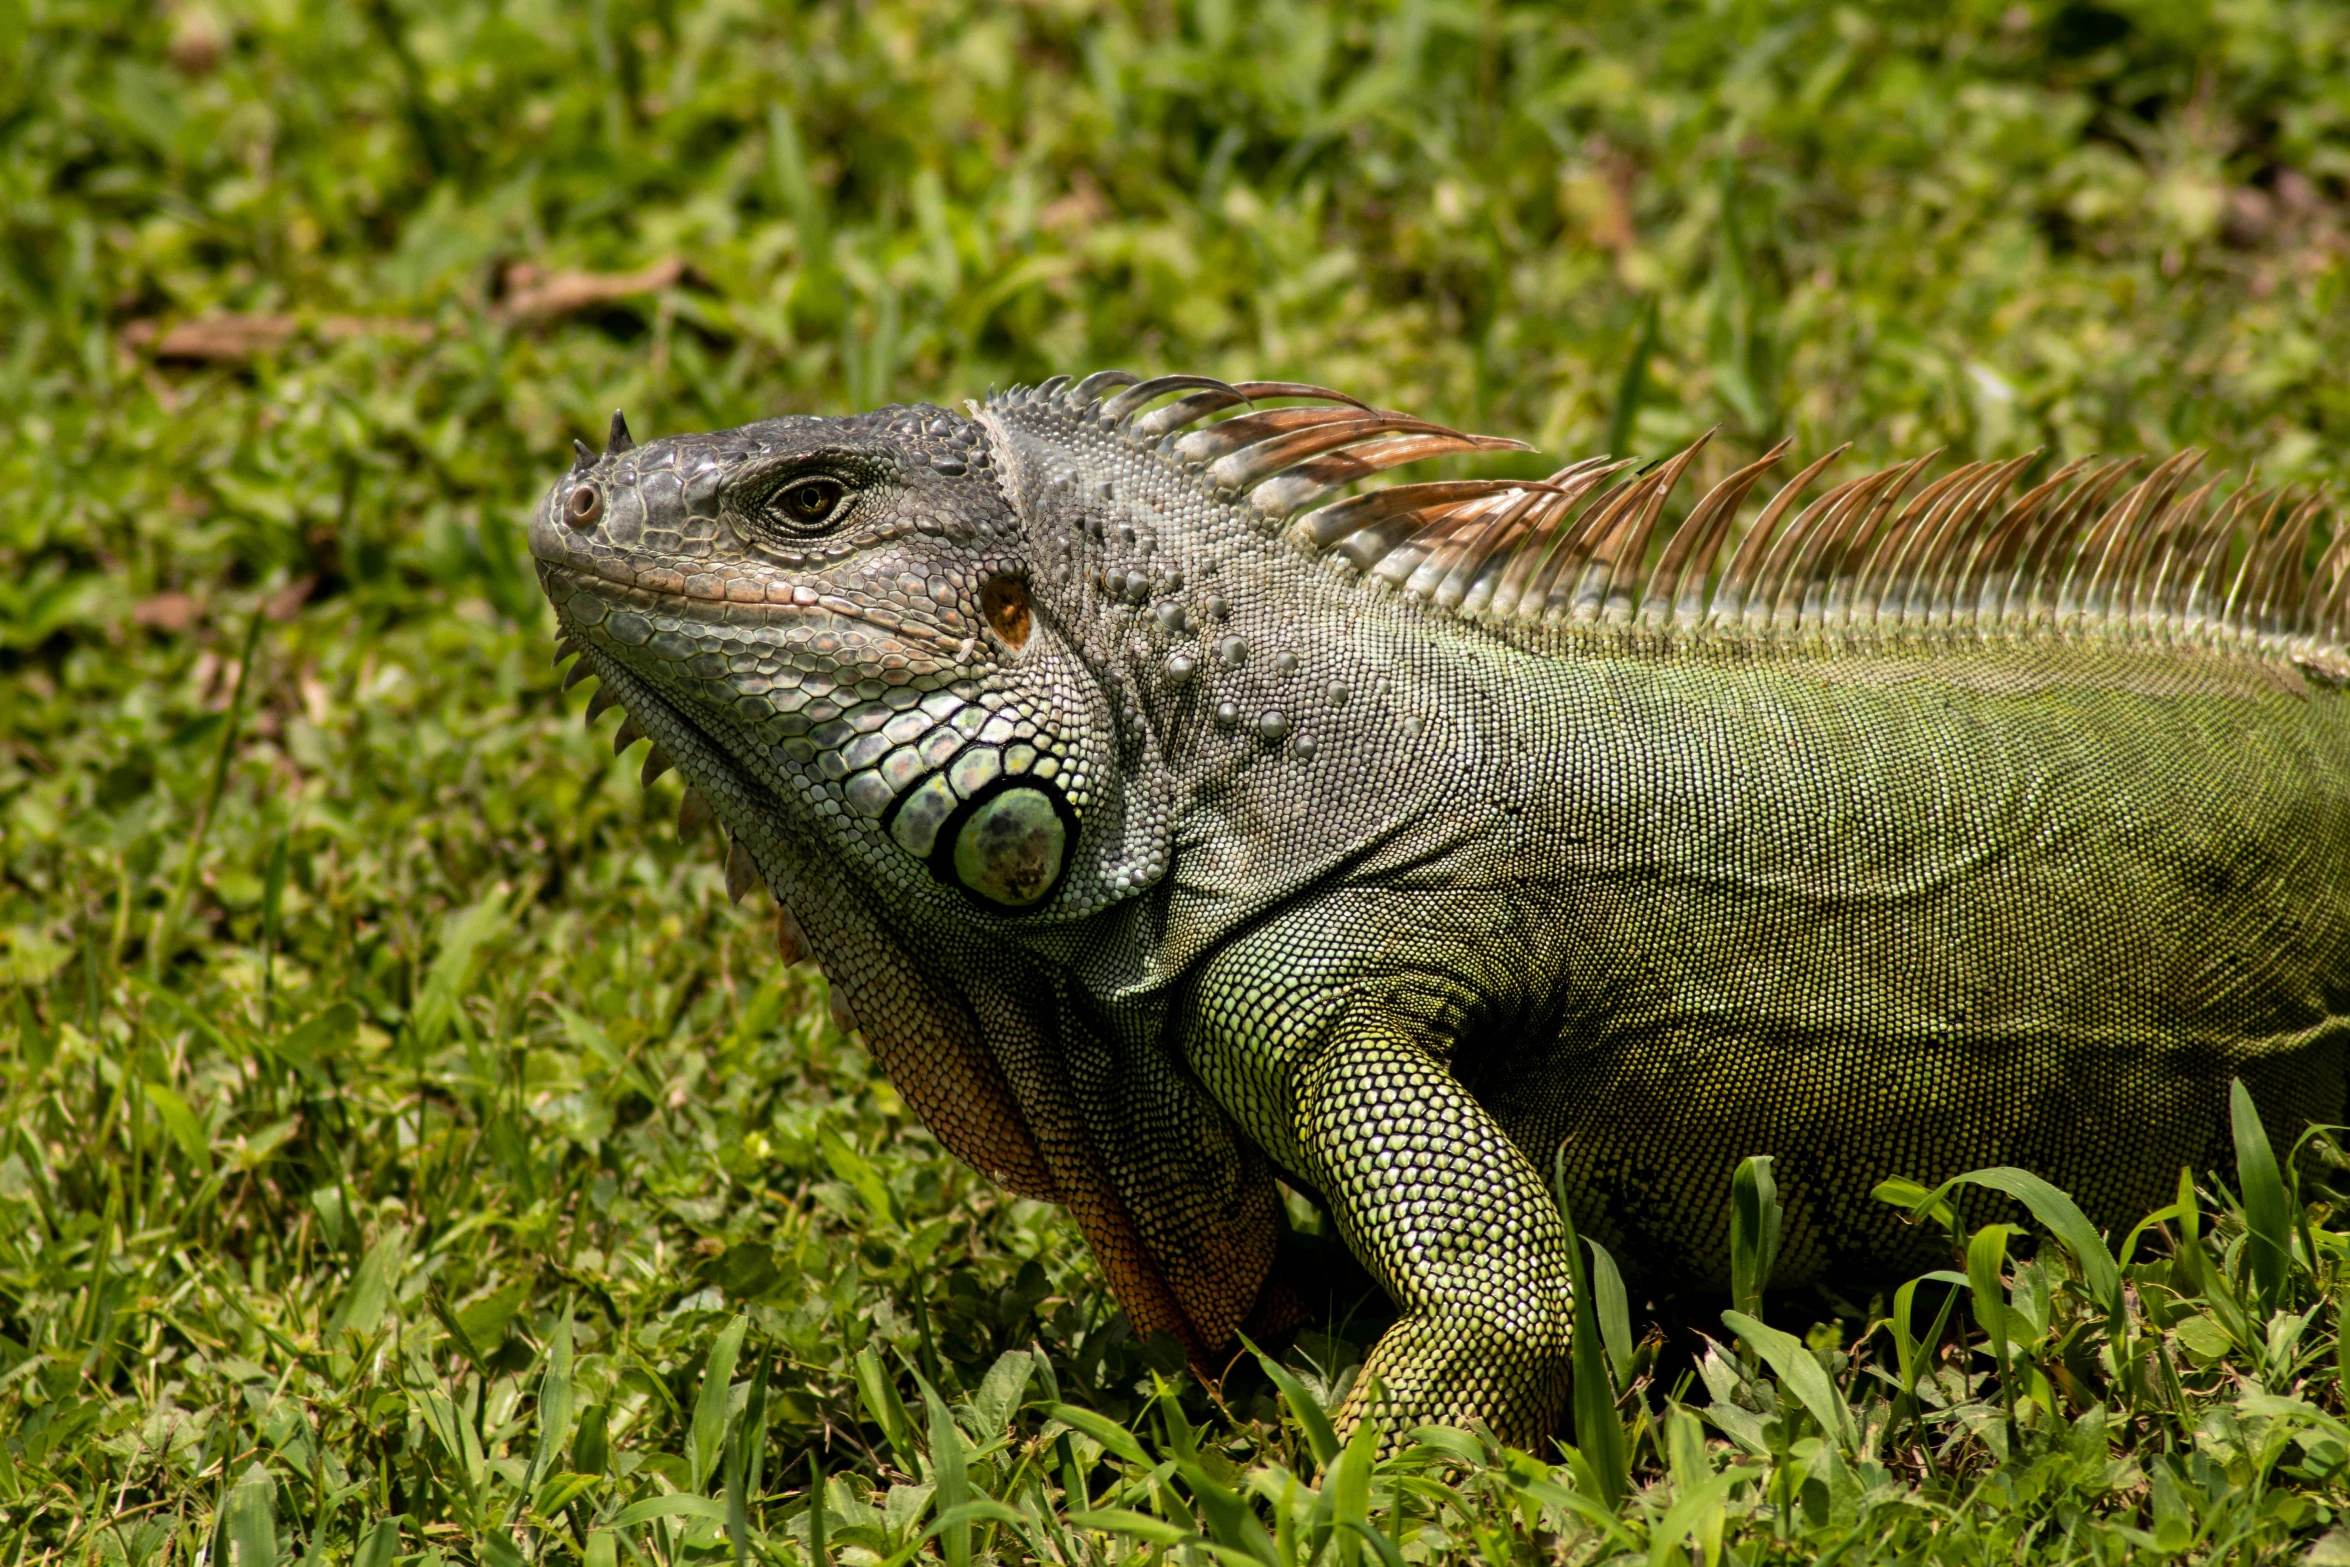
(408, 1155)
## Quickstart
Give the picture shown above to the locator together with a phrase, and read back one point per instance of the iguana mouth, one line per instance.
(801, 600)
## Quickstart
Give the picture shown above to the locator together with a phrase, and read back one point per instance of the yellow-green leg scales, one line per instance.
(1339, 1072)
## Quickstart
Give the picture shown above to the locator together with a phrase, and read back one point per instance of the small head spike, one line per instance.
(583, 456)
(2105, 551)
(619, 440)
(1881, 589)
(1182, 412)
(576, 673)
(1983, 581)
(1300, 486)
(1551, 589)
(1240, 460)
(2327, 590)
(2281, 595)
(2150, 595)
(1258, 391)
(1453, 577)
(1119, 404)
(2325, 583)
(1230, 435)
(1884, 538)
(1517, 590)
(599, 701)
(1619, 578)
(1799, 573)
(1968, 525)
(2207, 567)
(2047, 564)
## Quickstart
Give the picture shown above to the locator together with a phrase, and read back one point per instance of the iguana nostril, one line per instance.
(584, 507)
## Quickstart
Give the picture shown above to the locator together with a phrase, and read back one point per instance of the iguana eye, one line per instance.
(808, 502)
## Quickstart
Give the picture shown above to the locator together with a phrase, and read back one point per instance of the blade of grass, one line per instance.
(1598, 1431)
(2061, 1217)
(1755, 1218)
(1632, 387)
(2267, 1228)
(879, 1395)
(1911, 1354)
(248, 1525)
(950, 1472)
(167, 923)
(1801, 1374)
(273, 893)
(1311, 1418)
(1986, 1260)
(819, 1554)
(1614, 1307)
(706, 1440)
(554, 1411)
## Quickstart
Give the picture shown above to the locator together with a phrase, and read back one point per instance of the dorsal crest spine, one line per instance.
(2076, 554)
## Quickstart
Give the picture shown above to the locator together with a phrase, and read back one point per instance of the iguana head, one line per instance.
(830, 625)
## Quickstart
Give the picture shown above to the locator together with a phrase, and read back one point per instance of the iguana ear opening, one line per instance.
(1004, 601)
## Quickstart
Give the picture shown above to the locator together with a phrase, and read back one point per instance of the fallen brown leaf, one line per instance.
(169, 612)
(534, 294)
(1080, 209)
(235, 338)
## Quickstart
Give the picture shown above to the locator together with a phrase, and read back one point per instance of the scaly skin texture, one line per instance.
(1158, 855)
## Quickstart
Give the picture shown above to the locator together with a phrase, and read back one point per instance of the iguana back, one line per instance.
(1172, 818)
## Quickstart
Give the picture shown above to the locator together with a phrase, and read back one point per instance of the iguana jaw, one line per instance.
(641, 644)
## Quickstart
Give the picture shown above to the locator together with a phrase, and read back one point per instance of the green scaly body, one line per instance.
(1167, 838)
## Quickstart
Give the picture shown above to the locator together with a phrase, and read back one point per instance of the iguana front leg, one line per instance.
(1341, 1080)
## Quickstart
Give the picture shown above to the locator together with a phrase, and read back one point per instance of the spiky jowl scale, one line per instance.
(1174, 820)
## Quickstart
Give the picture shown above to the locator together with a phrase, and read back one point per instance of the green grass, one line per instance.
(406, 1153)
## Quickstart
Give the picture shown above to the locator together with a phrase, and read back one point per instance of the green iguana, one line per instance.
(1175, 820)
